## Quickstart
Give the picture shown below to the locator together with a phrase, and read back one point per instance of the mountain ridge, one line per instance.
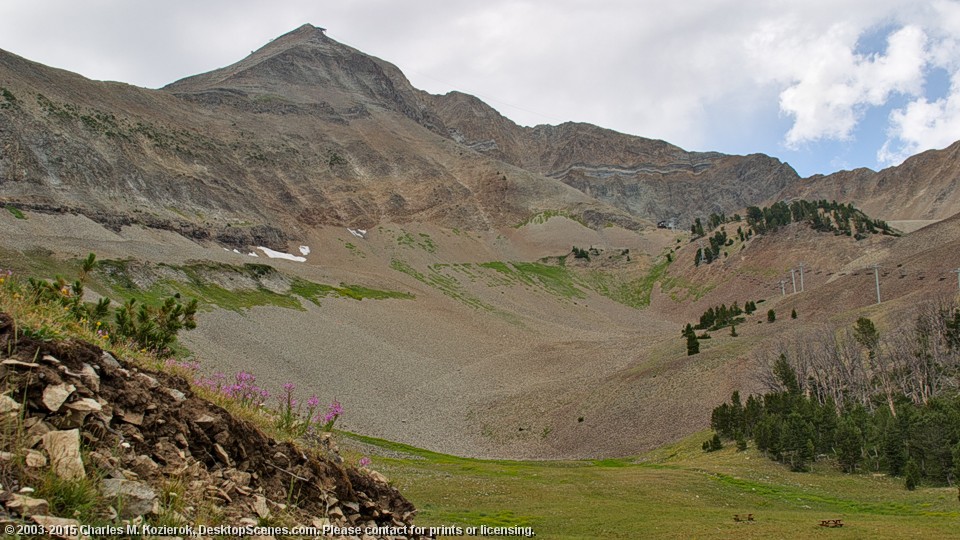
(306, 126)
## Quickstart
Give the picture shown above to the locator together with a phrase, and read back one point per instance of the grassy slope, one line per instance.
(675, 492)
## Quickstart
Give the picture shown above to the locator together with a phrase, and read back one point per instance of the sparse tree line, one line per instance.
(873, 401)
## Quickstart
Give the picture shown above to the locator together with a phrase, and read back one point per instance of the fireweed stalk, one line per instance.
(290, 416)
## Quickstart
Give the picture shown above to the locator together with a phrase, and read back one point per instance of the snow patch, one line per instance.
(280, 255)
(252, 254)
(359, 233)
(304, 250)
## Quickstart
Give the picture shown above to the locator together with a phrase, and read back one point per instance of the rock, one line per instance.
(78, 411)
(222, 454)
(205, 420)
(7, 456)
(320, 522)
(135, 418)
(335, 514)
(56, 394)
(147, 381)
(109, 361)
(56, 524)
(17, 363)
(135, 498)
(177, 395)
(36, 432)
(260, 506)
(379, 477)
(354, 507)
(50, 359)
(63, 447)
(85, 405)
(27, 506)
(35, 459)
(8, 405)
(144, 466)
(89, 377)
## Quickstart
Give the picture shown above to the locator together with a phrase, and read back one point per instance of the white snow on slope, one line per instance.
(280, 255)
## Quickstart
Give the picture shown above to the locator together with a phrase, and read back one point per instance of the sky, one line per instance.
(822, 85)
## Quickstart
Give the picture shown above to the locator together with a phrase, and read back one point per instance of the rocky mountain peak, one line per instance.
(305, 66)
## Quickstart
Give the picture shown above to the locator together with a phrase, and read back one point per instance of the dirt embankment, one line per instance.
(144, 431)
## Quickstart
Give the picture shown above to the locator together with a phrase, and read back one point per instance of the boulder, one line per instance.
(135, 498)
(8, 405)
(63, 447)
(89, 377)
(27, 506)
(56, 395)
(35, 459)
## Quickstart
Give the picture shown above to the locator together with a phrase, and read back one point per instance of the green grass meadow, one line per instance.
(675, 492)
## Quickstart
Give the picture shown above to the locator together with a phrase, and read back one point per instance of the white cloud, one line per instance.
(922, 125)
(829, 85)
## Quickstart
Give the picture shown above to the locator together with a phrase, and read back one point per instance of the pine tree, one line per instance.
(894, 449)
(716, 443)
(693, 345)
(912, 474)
(786, 375)
(771, 315)
(793, 314)
(741, 442)
(849, 448)
(956, 463)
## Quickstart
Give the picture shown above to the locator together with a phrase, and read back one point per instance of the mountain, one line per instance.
(924, 187)
(307, 132)
(304, 133)
(461, 319)
(648, 178)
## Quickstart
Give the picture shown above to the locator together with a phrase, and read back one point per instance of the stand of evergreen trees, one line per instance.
(821, 215)
(874, 402)
(715, 318)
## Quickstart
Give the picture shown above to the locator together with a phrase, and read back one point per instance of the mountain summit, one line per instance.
(307, 67)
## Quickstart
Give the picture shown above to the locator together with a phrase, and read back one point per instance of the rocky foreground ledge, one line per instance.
(153, 454)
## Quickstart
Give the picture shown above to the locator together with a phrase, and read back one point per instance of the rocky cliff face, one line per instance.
(648, 178)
